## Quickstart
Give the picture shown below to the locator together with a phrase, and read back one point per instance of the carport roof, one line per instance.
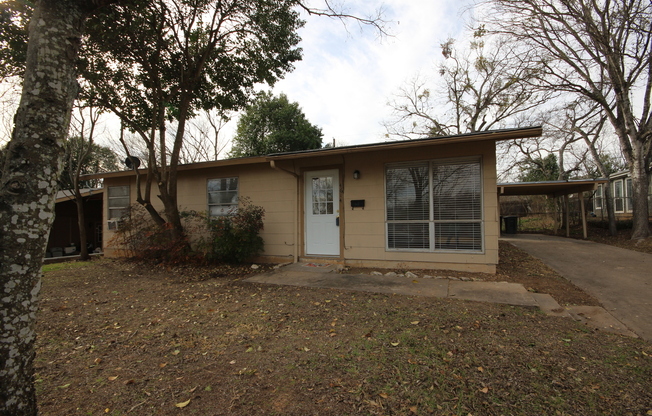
(551, 188)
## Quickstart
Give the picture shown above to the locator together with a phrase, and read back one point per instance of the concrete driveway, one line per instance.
(620, 279)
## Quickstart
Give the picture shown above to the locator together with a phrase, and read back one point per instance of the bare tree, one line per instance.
(84, 156)
(588, 121)
(600, 50)
(204, 139)
(9, 97)
(482, 87)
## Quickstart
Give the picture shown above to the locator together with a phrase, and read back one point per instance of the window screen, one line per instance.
(118, 200)
(222, 196)
(629, 193)
(598, 197)
(619, 203)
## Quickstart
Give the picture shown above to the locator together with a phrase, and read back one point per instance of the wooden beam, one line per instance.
(584, 233)
(567, 208)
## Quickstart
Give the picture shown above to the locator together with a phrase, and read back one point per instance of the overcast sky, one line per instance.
(348, 74)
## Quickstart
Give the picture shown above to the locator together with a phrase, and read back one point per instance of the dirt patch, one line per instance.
(623, 239)
(517, 266)
(120, 338)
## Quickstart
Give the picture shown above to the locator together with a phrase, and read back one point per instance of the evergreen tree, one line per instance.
(274, 125)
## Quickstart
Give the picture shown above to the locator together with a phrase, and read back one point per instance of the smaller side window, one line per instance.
(619, 202)
(629, 193)
(598, 197)
(118, 201)
(222, 196)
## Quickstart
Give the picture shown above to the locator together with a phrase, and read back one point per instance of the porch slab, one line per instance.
(495, 292)
(294, 275)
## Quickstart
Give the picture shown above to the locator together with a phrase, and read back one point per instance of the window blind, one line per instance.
(435, 206)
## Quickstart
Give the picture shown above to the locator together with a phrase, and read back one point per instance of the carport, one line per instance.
(554, 189)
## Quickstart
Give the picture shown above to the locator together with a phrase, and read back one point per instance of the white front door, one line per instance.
(322, 210)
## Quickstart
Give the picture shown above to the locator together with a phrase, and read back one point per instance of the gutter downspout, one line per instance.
(295, 254)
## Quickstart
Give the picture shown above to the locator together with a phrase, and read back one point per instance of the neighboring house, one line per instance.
(64, 235)
(621, 192)
(428, 203)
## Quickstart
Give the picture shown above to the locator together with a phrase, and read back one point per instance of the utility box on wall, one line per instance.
(357, 203)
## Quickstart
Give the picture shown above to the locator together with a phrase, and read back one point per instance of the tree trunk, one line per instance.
(29, 186)
(609, 205)
(640, 185)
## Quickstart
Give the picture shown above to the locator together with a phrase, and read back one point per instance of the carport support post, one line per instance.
(580, 195)
(567, 208)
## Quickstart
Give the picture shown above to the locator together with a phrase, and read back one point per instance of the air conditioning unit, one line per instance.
(113, 225)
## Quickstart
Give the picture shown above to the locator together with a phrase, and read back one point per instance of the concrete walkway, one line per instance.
(620, 279)
(326, 276)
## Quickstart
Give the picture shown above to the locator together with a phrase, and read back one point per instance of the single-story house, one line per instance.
(621, 193)
(64, 236)
(427, 203)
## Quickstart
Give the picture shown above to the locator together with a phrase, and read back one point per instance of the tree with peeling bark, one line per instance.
(599, 50)
(33, 161)
(30, 172)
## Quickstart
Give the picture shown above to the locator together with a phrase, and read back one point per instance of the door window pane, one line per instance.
(322, 196)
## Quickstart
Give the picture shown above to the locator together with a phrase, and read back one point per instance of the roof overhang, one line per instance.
(493, 135)
(181, 168)
(551, 188)
(69, 195)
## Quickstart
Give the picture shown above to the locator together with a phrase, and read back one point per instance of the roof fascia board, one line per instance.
(181, 168)
(436, 141)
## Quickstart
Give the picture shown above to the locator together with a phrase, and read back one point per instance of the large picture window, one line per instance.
(118, 201)
(434, 206)
(222, 196)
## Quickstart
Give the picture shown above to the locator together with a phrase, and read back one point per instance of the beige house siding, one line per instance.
(269, 188)
(274, 186)
(364, 230)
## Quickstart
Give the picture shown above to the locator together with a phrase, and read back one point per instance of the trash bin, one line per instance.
(511, 224)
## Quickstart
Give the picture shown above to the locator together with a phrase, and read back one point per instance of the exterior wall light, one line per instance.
(356, 174)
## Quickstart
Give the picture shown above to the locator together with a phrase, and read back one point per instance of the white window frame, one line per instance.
(112, 200)
(629, 191)
(432, 223)
(597, 197)
(222, 208)
(619, 196)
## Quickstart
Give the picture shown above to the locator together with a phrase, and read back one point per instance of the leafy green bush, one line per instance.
(235, 237)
